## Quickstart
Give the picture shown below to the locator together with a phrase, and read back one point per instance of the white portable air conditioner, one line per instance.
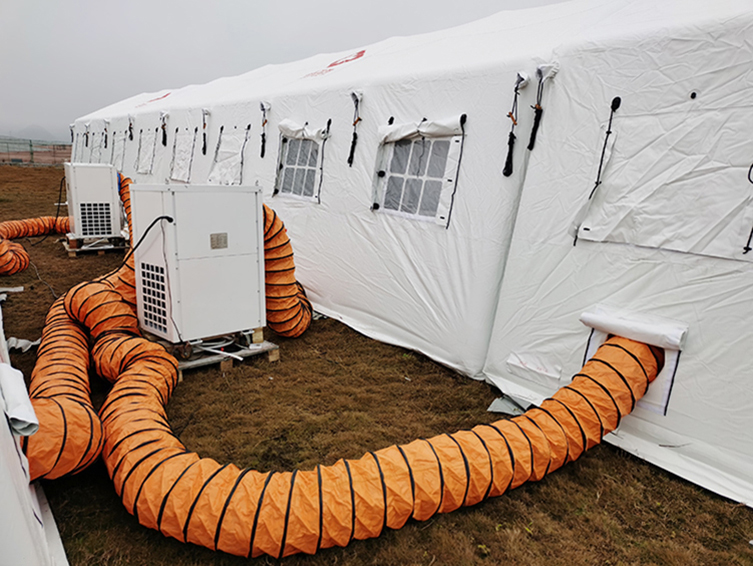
(93, 201)
(200, 266)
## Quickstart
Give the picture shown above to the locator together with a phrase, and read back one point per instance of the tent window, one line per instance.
(417, 176)
(227, 168)
(299, 161)
(147, 148)
(676, 181)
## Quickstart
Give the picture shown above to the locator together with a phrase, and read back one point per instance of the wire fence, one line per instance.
(33, 152)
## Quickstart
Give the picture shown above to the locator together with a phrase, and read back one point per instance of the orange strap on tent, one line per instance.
(13, 257)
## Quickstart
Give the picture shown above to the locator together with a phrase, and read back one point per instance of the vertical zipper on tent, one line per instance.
(616, 101)
(463, 118)
(747, 247)
(321, 163)
(520, 81)
(265, 106)
(356, 118)
(243, 151)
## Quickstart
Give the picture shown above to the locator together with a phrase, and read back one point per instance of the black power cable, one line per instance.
(141, 239)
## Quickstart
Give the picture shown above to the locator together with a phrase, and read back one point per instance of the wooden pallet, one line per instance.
(75, 247)
(226, 362)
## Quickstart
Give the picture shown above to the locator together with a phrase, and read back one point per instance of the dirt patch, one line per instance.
(337, 394)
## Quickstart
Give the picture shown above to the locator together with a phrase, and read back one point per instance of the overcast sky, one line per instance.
(62, 59)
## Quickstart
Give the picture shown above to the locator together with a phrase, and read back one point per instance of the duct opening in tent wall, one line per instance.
(301, 160)
(417, 168)
(227, 167)
(184, 147)
(677, 181)
(670, 335)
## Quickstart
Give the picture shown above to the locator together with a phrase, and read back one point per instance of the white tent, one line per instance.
(422, 241)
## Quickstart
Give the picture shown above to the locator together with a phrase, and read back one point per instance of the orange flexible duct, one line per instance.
(288, 309)
(249, 513)
(70, 433)
(13, 257)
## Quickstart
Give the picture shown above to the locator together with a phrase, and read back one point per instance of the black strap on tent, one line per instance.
(204, 114)
(105, 134)
(263, 128)
(356, 119)
(747, 247)
(130, 129)
(513, 115)
(86, 136)
(537, 109)
(163, 126)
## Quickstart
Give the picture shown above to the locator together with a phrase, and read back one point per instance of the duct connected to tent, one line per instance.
(247, 512)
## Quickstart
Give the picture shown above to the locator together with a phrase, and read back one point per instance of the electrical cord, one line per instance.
(133, 249)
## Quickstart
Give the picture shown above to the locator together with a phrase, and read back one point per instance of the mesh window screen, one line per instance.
(415, 173)
(298, 167)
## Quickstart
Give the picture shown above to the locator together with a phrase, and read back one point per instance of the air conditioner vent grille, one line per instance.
(153, 291)
(95, 219)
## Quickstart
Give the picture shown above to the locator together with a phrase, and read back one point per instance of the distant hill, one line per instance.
(38, 133)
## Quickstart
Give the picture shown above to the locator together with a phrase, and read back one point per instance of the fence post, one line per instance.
(31, 150)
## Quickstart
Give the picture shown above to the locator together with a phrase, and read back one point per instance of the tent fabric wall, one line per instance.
(440, 289)
(678, 85)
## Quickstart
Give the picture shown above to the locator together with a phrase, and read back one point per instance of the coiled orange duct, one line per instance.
(288, 309)
(249, 513)
(13, 257)
(70, 434)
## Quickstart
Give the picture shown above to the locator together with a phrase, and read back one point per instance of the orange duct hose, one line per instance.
(249, 513)
(13, 257)
(70, 433)
(288, 309)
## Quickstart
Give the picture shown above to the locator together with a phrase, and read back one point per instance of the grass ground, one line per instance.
(337, 394)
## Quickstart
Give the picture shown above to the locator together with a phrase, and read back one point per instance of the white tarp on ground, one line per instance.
(657, 236)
